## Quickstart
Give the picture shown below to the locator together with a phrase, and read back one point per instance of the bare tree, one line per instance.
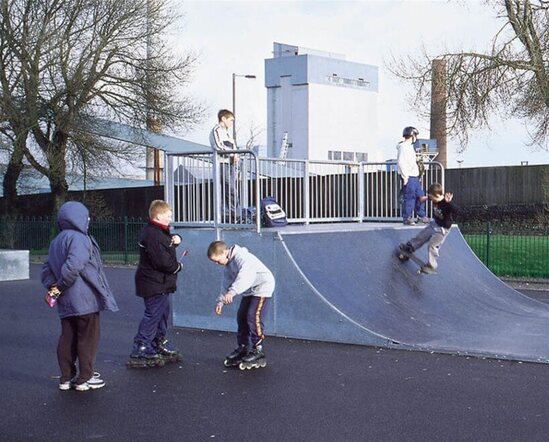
(14, 125)
(63, 61)
(511, 79)
(255, 131)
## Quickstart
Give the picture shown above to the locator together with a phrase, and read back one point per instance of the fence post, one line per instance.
(306, 194)
(217, 195)
(126, 239)
(488, 232)
(361, 197)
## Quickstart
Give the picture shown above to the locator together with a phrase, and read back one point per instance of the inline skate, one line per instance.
(144, 357)
(233, 359)
(166, 350)
(254, 359)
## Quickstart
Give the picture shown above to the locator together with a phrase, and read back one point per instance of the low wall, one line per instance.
(14, 265)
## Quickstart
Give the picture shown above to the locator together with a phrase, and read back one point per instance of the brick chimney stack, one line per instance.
(438, 109)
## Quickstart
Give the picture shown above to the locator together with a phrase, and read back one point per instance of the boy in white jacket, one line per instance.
(244, 275)
(414, 195)
(221, 140)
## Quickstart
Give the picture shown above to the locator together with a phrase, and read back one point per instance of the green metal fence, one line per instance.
(510, 251)
(506, 251)
(117, 237)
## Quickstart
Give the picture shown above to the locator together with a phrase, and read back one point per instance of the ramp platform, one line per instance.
(343, 283)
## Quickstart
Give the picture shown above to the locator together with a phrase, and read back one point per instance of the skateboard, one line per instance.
(403, 256)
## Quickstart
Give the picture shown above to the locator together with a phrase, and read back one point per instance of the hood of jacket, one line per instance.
(402, 143)
(75, 216)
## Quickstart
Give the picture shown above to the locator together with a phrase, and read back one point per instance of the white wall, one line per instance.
(341, 118)
(300, 134)
(324, 104)
(319, 118)
(287, 112)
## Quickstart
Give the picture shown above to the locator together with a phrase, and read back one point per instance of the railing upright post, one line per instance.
(126, 238)
(217, 190)
(361, 197)
(242, 184)
(488, 233)
(169, 182)
(306, 196)
(257, 195)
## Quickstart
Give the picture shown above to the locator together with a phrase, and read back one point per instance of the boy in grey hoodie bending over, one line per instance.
(244, 275)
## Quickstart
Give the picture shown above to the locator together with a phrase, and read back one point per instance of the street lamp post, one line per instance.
(234, 102)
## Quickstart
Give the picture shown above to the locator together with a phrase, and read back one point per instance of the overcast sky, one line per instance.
(237, 36)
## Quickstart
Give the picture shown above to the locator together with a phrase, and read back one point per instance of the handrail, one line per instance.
(310, 191)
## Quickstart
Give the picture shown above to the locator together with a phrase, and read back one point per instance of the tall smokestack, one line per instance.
(438, 109)
(154, 160)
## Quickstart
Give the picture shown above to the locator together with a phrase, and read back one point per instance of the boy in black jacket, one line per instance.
(435, 232)
(155, 280)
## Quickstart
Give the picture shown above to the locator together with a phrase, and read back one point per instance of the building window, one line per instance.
(349, 82)
(339, 155)
(348, 156)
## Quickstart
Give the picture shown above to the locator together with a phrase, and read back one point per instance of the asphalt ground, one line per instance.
(310, 391)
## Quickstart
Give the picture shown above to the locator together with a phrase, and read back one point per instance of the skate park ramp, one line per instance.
(345, 284)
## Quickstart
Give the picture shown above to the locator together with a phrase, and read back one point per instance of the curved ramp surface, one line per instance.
(463, 308)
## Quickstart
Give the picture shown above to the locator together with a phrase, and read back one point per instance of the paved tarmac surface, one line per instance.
(310, 391)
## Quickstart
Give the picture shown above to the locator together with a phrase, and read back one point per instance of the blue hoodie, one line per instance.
(74, 265)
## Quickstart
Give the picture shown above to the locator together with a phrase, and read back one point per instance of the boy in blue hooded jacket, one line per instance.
(74, 269)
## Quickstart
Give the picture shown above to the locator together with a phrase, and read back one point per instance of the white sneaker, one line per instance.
(65, 385)
(428, 269)
(93, 384)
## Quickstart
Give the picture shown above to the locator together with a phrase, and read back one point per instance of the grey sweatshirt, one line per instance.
(246, 275)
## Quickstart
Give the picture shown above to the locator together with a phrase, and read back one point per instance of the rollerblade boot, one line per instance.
(235, 358)
(144, 357)
(254, 359)
(166, 350)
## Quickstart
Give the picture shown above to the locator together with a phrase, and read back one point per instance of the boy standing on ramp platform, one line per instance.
(221, 140)
(414, 196)
(435, 232)
(244, 275)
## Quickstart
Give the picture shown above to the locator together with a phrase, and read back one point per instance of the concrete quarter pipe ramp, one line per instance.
(346, 285)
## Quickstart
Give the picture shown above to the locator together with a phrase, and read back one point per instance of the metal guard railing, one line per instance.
(309, 191)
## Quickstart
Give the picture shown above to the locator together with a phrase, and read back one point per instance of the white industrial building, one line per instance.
(323, 105)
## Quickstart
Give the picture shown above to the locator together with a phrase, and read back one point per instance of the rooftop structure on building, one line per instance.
(320, 106)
